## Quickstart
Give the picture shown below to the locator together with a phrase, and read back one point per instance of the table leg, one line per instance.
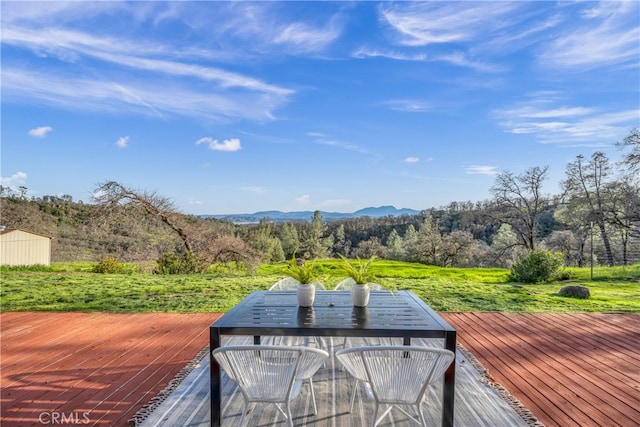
(214, 379)
(449, 389)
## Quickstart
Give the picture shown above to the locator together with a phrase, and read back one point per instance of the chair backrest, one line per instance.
(396, 374)
(286, 284)
(291, 284)
(312, 359)
(267, 372)
(346, 284)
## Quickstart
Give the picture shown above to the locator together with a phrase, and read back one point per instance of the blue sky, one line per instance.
(237, 107)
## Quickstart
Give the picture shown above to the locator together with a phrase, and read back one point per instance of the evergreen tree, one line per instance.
(340, 243)
(396, 246)
(315, 243)
(429, 242)
(289, 240)
(411, 243)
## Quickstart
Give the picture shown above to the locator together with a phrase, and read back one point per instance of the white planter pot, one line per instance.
(306, 295)
(360, 294)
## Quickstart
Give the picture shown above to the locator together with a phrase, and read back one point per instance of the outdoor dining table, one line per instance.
(400, 314)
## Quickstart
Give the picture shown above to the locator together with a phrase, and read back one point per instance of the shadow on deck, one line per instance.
(477, 403)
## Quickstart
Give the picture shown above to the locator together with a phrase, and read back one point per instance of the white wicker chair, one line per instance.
(395, 375)
(346, 284)
(270, 374)
(291, 284)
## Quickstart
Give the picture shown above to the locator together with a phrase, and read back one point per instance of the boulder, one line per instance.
(577, 291)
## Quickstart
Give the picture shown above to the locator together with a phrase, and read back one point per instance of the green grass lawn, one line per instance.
(72, 287)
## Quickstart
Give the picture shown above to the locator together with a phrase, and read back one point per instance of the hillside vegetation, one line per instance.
(594, 221)
(461, 235)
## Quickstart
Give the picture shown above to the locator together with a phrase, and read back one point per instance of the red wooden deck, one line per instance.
(91, 368)
(100, 369)
(568, 369)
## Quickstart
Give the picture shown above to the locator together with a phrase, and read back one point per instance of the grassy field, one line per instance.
(72, 287)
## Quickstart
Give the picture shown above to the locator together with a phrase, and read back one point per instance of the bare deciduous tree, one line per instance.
(519, 202)
(632, 159)
(586, 184)
(111, 195)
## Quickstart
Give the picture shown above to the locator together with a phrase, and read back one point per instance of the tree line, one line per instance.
(596, 218)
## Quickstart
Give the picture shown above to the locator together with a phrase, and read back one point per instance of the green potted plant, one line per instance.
(359, 271)
(304, 273)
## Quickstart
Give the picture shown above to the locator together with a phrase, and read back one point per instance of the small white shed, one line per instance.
(20, 247)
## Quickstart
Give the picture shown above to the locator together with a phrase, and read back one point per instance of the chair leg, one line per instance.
(422, 417)
(374, 419)
(384, 414)
(245, 407)
(286, 412)
(354, 391)
(313, 397)
(289, 416)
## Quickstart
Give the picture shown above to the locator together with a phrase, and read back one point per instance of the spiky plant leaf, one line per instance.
(358, 270)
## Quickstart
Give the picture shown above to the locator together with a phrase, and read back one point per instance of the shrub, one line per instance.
(564, 275)
(179, 263)
(108, 265)
(537, 266)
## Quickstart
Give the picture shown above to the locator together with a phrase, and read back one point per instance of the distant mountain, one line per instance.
(278, 216)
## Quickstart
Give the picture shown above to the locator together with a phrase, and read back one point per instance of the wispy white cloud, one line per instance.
(462, 59)
(232, 144)
(452, 34)
(363, 53)
(122, 142)
(425, 23)
(343, 145)
(532, 112)
(300, 37)
(153, 97)
(562, 124)
(535, 30)
(48, 13)
(316, 134)
(457, 58)
(412, 160)
(476, 35)
(608, 34)
(273, 27)
(481, 170)
(40, 132)
(409, 105)
(153, 75)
